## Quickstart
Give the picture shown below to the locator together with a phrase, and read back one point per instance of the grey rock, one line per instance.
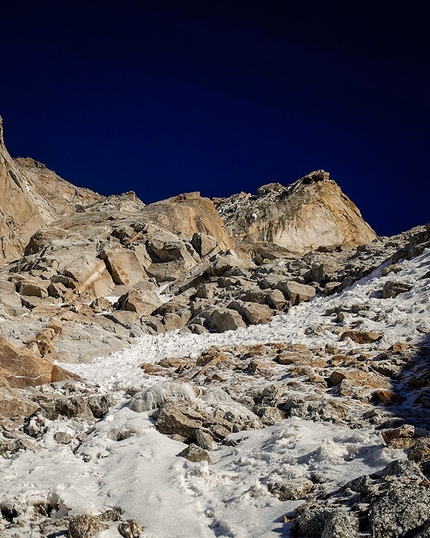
(340, 524)
(392, 289)
(399, 510)
(63, 438)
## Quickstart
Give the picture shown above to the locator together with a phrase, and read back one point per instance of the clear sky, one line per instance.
(169, 96)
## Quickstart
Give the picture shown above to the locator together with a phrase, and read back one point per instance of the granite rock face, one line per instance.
(311, 213)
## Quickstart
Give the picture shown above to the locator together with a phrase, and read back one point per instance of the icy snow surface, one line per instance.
(171, 497)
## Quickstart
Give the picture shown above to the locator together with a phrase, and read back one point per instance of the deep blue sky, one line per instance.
(163, 96)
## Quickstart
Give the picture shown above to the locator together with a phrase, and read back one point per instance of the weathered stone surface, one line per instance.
(339, 524)
(225, 319)
(34, 288)
(400, 510)
(204, 439)
(420, 451)
(189, 213)
(296, 292)
(204, 244)
(308, 214)
(406, 431)
(292, 489)
(91, 276)
(257, 314)
(359, 378)
(183, 421)
(124, 267)
(129, 529)
(13, 405)
(21, 368)
(195, 454)
(361, 337)
(141, 301)
(276, 299)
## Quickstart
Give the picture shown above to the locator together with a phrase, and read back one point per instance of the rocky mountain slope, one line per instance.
(256, 366)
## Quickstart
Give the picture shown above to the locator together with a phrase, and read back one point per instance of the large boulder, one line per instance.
(124, 266)
(14, 405)
(21, 368)
(90, 275)
(225, 319)
(141, 301)
(296, 292)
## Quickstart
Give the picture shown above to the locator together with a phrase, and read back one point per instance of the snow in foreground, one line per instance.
(172, 497)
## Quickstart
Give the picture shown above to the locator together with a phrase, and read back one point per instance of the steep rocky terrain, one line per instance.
(247, 367)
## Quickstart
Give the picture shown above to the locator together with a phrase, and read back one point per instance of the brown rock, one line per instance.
(311, 213)
(189, 213)
(225, 319)
(361, 337)
(195, 453)
(359, 378)
(179, 420)
(386, 397)
(296, 488)
(392, 289)
(90, 275)
(221, 357)
(276, 299)
(142, 302)
(13, 405)
(124, 267)
(34, 288)
(396, 437)
(420, 451)
(21, 368)
(257, 314)
(204, 244)
(296, 292)
(129, 529)
(261, 366)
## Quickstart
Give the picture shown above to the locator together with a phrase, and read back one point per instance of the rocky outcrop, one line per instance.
(30, 197)
(189, 214)
(307, 215)
(19, 215)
